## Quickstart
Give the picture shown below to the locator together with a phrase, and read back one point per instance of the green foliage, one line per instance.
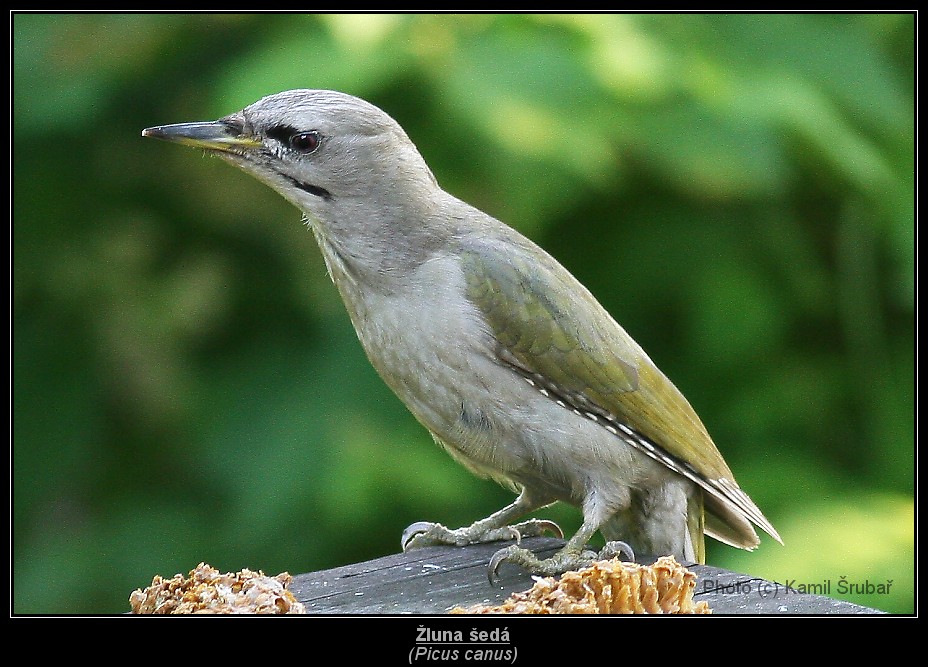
(736, 189)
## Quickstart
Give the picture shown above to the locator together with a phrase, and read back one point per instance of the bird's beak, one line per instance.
(214, 135)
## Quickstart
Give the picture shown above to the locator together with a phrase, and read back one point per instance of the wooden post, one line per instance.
(433, 580)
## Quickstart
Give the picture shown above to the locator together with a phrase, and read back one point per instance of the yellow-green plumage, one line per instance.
(589, 362)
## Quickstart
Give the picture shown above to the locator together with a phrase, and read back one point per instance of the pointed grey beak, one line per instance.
(213, 135)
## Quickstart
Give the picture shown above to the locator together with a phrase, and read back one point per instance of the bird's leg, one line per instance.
(572, 555)
(492, 529)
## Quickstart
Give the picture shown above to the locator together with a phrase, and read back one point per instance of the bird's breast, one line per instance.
(421, 336)
(431, 346)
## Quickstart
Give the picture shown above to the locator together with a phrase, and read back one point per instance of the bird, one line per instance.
(510, 363)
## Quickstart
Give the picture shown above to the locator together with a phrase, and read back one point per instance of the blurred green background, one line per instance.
(736, 189)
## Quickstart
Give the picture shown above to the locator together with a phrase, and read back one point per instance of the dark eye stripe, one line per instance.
(282, 133)
(303, 141)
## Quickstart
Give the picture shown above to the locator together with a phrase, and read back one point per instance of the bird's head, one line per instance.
(344, 162)
(315, 147)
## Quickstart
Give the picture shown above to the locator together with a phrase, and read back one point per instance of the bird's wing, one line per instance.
(550, 329)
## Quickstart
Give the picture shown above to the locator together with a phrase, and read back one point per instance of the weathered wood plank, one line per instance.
(433, 580)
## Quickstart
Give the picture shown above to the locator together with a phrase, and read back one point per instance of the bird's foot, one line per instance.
(425, 534)
(564, 560)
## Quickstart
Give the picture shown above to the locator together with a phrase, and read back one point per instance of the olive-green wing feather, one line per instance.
(553, 331)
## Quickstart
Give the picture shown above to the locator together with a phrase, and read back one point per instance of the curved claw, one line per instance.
(413, 530)
(498, 559)
(544, 525)
(615, 549)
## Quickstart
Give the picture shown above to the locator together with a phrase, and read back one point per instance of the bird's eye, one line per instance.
(304, 142)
